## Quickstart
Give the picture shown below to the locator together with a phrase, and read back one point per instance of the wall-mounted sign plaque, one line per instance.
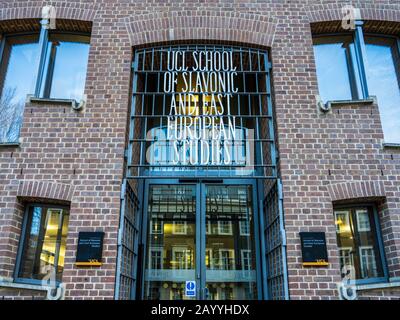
(90, 249)
(313, 248)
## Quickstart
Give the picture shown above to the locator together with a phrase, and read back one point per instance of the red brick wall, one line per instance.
(84, 150)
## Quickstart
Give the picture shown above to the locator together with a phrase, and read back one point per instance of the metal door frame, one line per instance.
(200, 270)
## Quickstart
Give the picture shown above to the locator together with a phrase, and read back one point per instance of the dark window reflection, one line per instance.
(357, 240)
(230, 243)
(171, 247)
(45, 240)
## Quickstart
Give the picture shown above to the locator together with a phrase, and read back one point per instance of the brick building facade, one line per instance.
(77, 158)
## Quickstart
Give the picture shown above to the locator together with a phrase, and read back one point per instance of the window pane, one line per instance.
(63, 244)
(66, 67)
(18, 70)
(334, 71)
(383, 72)
(45, 240)
(357, 240)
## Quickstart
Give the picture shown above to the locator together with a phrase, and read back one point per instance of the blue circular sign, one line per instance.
(190, 285)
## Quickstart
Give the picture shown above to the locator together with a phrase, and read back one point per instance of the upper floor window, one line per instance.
(383, 82)
(359, 241)
(337, 77)
(65, 66)
(55, 68)
(43, 242)
(354, 67)
(17, 77)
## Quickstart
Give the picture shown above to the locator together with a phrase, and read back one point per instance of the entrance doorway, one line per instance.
(201, 200)
(204, 232)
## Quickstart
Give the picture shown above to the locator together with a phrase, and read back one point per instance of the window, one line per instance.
(336, 74)
(182, 258)
(246, 259)
(156, 224)
(17, 76)
(62, 74)
(383, 82)
(209, 259)
(342, 221)
(226, 259)
(43, 242)
(156, 258)
(357, 66)
(368, 262)
(66, 64)
(244, 227)
(224, 227)
(346, 256)
(358, 240)
(179, 225)
(363, 220)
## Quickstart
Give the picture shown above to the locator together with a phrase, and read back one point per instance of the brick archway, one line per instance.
(49, 190)
(157, 27)
(356, 190)
(333, 12)
(69, 10)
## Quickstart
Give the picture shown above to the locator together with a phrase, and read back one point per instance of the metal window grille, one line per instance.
(251, 106)
(275, 244)
(128, 242)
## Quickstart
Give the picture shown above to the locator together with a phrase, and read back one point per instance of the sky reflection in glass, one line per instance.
(383, 83)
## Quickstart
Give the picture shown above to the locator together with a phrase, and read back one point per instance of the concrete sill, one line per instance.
(9, 144)
(72, 102)
(391, 145)
(15, 285)
(333, 103)
(393, 283)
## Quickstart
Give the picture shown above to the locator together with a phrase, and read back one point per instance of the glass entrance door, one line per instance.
(171, 241)
(230, 255)
(203, 233)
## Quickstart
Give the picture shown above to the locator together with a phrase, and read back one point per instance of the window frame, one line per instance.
(396, 40)
(336, 213)
(346, 249)
(176, 225)
(159, 218)
(360, 62)
(221, 227)
(184, 250)
(350, 64)
(3, 43)
(243, 257)
(159, 250)
(43, 34)
(46, 70)
(40, 79)
(21, 244)
(379, 240)
(231, 259)
(243, 225)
